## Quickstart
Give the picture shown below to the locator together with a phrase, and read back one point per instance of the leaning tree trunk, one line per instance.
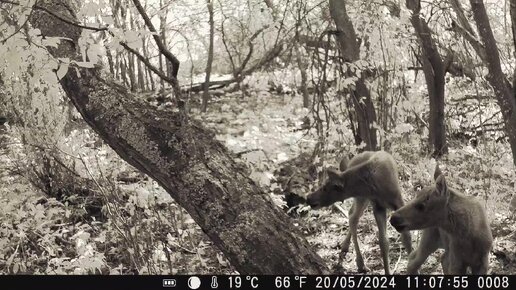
(361, 96)
(434, 71)
(186, 160)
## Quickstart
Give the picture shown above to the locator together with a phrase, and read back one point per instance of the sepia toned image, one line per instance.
(210, 142)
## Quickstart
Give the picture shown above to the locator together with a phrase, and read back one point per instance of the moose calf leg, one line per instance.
(428, 244)
(481, 269)
(456, 268)
(355, 213)
(406, 240)
(380, 214)
(456, 265)
(445, 262)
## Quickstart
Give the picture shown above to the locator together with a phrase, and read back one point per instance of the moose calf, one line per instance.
(369, 176)
(451, 221)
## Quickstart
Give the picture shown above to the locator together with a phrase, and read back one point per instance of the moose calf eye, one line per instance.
(420, 206)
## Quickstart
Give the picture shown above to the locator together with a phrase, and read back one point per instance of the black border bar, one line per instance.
(252, 282)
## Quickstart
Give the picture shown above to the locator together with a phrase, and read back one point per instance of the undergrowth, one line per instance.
(73, 206)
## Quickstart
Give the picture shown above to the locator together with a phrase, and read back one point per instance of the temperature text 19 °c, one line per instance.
(236, 282)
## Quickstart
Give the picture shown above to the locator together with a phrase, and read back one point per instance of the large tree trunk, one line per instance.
(361, 96)
(187, 161)
(503, 89)
(434, 70)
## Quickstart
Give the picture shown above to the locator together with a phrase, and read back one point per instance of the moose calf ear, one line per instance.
(437, 171)
(343, 165)
(333, 174)
(440, 185)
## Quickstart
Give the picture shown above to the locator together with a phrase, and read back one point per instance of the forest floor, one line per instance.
(272, 124)
(264, 132)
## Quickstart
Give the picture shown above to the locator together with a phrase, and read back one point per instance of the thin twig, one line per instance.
(338, 207)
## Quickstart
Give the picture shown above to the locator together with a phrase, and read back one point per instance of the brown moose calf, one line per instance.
(369, 176)
(451, 221)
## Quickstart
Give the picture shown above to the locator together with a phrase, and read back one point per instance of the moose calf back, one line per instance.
(369, 176)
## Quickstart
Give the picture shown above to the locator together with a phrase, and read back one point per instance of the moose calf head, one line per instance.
(426, 210)
(330, 192)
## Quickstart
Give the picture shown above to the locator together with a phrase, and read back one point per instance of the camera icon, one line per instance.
(169, 283)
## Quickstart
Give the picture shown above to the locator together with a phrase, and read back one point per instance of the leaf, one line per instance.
(51, 41)
(63, 69)
(404, 128)
(34, 32)
(85, 64)
(108, 20)
(94, 52)
(132, 39)
(221, 260)
(90, 9)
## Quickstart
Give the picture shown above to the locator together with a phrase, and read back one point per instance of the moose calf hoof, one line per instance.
(342, 254)
(363, 269)
(338, 269)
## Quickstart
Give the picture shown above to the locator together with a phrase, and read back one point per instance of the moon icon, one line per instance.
(194, 282)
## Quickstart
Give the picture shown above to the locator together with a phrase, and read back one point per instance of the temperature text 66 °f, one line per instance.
(284, 282)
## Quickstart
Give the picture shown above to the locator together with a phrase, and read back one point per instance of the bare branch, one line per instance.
(464, 28)
(251, 49)
(162, 49)
(147, 63)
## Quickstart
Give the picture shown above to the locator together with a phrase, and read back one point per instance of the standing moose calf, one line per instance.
(369, 176)
(451, 221)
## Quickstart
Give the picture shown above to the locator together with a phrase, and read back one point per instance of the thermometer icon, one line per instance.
(214, 283)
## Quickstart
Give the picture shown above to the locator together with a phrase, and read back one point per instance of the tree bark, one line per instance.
(109, 56)
(504, 91)
(162, 31)
(434, 71)
(303, 66)
(206, 92)
(140, 74)
(465, 29)
(117, 66)
(148, 73)
(132, 72)
(349, 46)
(186, 160)
(123, 69)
